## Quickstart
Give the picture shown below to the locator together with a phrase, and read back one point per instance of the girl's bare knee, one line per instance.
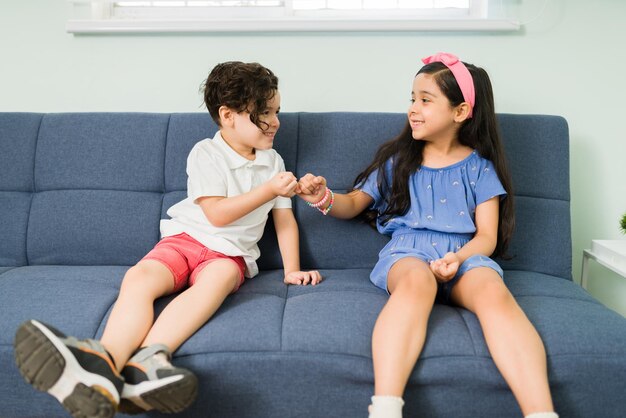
(494, 295)
(417, 284)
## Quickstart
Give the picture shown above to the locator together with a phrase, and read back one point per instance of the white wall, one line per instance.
(569, 61)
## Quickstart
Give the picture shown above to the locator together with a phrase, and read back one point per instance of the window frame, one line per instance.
(100, 17)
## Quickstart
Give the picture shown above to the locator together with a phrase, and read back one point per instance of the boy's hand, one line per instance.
(283, 184)
(311, 188)
(445, 268)
(303, 277)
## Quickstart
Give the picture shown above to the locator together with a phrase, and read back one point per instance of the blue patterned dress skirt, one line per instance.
(427, 246)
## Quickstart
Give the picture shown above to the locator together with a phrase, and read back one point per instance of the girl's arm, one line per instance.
(344, 206)
(222, 211)
(288, 243)
(347, 206)
(486, 236)
(483, 242)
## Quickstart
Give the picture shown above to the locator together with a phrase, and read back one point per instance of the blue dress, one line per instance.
(440, 218)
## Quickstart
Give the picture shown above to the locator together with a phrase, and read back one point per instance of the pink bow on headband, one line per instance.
(460, 73)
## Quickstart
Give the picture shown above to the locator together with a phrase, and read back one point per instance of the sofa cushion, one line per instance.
(110, 151)
(92, 227)
(14, 212)
(540, 225)
(18, 141)
(528, 140)
(73, 298)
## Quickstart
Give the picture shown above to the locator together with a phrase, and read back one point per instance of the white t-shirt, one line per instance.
(215, 169)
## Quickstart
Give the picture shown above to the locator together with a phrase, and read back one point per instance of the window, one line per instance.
(283, 15)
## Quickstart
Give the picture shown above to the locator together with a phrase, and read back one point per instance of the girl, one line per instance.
(442, 191)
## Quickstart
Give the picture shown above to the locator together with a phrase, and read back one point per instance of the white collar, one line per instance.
(234, 160)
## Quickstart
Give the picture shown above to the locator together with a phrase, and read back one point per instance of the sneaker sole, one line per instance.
(49, 366)
(167, 395)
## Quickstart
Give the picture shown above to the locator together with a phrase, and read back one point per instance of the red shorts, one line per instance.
(185, 258)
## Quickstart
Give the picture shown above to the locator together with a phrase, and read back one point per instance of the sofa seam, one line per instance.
(558, 199)
(593, 301)
(359, 291)
(165, 143)
(282, 320)
(296, 203)
(34, 190)
(82, 189)
(458, 311)
(421, 358)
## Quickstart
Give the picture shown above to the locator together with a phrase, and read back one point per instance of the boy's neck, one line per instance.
(246, 152)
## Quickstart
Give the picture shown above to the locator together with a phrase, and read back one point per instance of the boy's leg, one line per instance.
(513, 342)
(151, 381)
(184, 315)
(133, 313)
(400, 329)
(82, 374)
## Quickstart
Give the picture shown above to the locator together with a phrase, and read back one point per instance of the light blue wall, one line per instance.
(570, 60)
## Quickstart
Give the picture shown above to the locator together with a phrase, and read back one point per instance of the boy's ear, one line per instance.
(226, 116)
(462, 111)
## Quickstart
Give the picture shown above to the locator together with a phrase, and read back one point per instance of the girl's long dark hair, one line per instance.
(479, 132)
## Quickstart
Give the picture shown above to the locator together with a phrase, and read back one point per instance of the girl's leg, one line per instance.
(192, 308)
(513, 342)
(400, 329)
(133, 313)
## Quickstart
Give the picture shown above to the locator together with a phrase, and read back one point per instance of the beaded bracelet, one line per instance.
(321, 202)
(332, 200)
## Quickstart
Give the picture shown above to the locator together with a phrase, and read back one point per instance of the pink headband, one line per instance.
(460, 73)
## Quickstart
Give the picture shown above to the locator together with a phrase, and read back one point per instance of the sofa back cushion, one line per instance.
(90, 188)
(18, 140)
(340, 145)
(537, 147)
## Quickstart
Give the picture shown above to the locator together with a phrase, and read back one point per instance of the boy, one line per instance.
(207, 249)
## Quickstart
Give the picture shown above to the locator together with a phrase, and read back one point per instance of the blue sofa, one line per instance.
(81, 195)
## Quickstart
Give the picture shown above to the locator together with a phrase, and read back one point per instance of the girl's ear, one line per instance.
(227, 116)
(461, 112)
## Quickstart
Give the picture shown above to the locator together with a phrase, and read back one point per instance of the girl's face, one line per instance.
(431, 115)
(249, 136)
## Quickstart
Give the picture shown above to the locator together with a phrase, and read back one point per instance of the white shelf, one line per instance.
(608, 253)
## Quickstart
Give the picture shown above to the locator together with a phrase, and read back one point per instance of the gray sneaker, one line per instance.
(151, 382)
(78, 373)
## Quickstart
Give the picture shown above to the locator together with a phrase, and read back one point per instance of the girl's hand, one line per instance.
(445, 268)
(311, 188)
(303, 277)
(283, 184)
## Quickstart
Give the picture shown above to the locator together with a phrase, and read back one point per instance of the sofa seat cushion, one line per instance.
(74, 299)
(272, 335)
(334, 317)
(268, 335)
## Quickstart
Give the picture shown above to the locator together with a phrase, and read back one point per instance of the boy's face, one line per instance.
(248, 136)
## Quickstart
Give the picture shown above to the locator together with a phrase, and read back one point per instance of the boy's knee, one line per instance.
(143, 276)
(222, 273)
(134, 277)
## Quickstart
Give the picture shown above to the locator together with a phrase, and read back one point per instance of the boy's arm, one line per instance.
(221, 211)
(289, 245)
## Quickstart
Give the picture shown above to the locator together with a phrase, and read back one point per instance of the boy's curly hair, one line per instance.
(241, 87)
